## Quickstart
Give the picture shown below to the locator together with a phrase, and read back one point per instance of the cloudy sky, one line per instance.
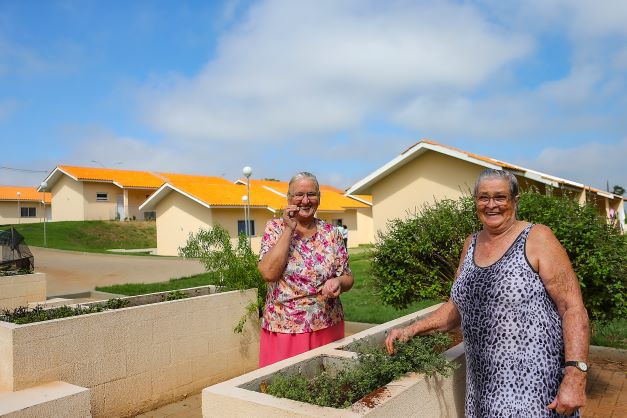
(335, 87)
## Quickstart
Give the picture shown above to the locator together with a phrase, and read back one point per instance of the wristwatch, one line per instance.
(578, 364)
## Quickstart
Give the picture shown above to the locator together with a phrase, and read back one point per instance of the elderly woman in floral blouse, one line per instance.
(305, 263)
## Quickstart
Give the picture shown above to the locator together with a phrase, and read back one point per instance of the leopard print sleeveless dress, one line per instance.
(512, 334)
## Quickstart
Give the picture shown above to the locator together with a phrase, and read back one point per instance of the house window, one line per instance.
(28, 212)
(150, 216)
(241, 227)
(102, 197)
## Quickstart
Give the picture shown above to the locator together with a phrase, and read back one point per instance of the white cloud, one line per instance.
(293, 69)
(591, 163)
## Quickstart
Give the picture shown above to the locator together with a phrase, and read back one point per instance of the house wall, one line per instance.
(430, 176)
(67, 200)
(177, 217)
(135, 198)
(364, 234)
(9, 212)
(228, 219)
(100, 210)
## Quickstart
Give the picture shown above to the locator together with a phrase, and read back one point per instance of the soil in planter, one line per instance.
(374, 369)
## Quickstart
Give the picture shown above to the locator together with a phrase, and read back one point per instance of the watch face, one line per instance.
(582, 366)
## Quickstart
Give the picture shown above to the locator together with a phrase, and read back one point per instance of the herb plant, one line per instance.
(374, 369)
(24, 315)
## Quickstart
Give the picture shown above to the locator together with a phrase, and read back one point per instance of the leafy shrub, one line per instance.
(417, 257)
(24, 315)
(235, 268)
(375, 368)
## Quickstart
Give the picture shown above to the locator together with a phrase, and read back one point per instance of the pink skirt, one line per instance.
(276, 346)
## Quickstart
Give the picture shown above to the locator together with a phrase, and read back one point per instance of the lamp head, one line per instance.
(43, 185)
(247, 171)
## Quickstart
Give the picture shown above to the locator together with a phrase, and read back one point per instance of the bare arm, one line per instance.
(445, 318)
(549, 259)
(273, 263)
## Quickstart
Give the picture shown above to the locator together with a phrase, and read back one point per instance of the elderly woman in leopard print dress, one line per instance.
(521, 312)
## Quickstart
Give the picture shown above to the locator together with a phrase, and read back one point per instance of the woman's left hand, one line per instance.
(332, 288)
(571, 394)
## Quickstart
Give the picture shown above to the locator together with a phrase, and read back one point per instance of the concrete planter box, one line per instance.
(136, 358)
(22, 289)
(413, 395)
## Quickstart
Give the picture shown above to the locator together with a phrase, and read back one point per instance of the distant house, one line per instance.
(88, 193)
(185, 204)
(429, 171)
(335, 207)
(23, 205)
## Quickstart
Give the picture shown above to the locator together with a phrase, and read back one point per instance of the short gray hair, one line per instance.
(300, 176)
(491, 173)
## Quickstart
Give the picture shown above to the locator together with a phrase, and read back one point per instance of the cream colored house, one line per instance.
(185, 204)
(88, 193)
(429, 171)
(21, 205)
(335, 207)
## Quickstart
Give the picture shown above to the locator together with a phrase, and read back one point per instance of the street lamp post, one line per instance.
(43, 187)
(245, 200)
(247, 171)
(19, 209)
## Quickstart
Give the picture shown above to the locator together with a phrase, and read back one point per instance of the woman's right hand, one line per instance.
(290, 221)
(400, 334)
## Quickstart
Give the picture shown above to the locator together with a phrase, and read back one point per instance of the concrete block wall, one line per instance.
(22, 289)
(55, 399)
(137, 358)
(413, 395)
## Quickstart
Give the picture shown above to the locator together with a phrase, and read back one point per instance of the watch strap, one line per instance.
(578, 364)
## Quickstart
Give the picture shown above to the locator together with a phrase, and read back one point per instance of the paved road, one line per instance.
(75, 272)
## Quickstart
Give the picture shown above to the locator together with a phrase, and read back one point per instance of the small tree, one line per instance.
(233, 268)
(417, 257)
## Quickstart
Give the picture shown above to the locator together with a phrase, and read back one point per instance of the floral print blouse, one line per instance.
(294, 303)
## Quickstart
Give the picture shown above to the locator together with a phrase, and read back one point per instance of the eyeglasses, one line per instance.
(300, 196)
(499, 200)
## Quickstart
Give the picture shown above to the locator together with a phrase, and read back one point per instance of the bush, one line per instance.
(235, 268)
(417, 257)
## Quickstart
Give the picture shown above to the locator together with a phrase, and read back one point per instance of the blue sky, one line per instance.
(335, 87)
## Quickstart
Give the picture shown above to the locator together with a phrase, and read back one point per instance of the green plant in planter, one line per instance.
(176, 295)
(236, 267)
(25, 315)
(374, 369)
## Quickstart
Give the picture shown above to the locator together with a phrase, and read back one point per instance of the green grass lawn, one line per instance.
(90, 236)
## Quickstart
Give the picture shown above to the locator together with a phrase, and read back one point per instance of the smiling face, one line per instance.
(496, 208)
(305, 194)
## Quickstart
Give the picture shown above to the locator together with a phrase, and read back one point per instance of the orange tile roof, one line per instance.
(191, 178)
(27, 194)
(229, 194)
(470, 154)
(124, 178)
(332, 198)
